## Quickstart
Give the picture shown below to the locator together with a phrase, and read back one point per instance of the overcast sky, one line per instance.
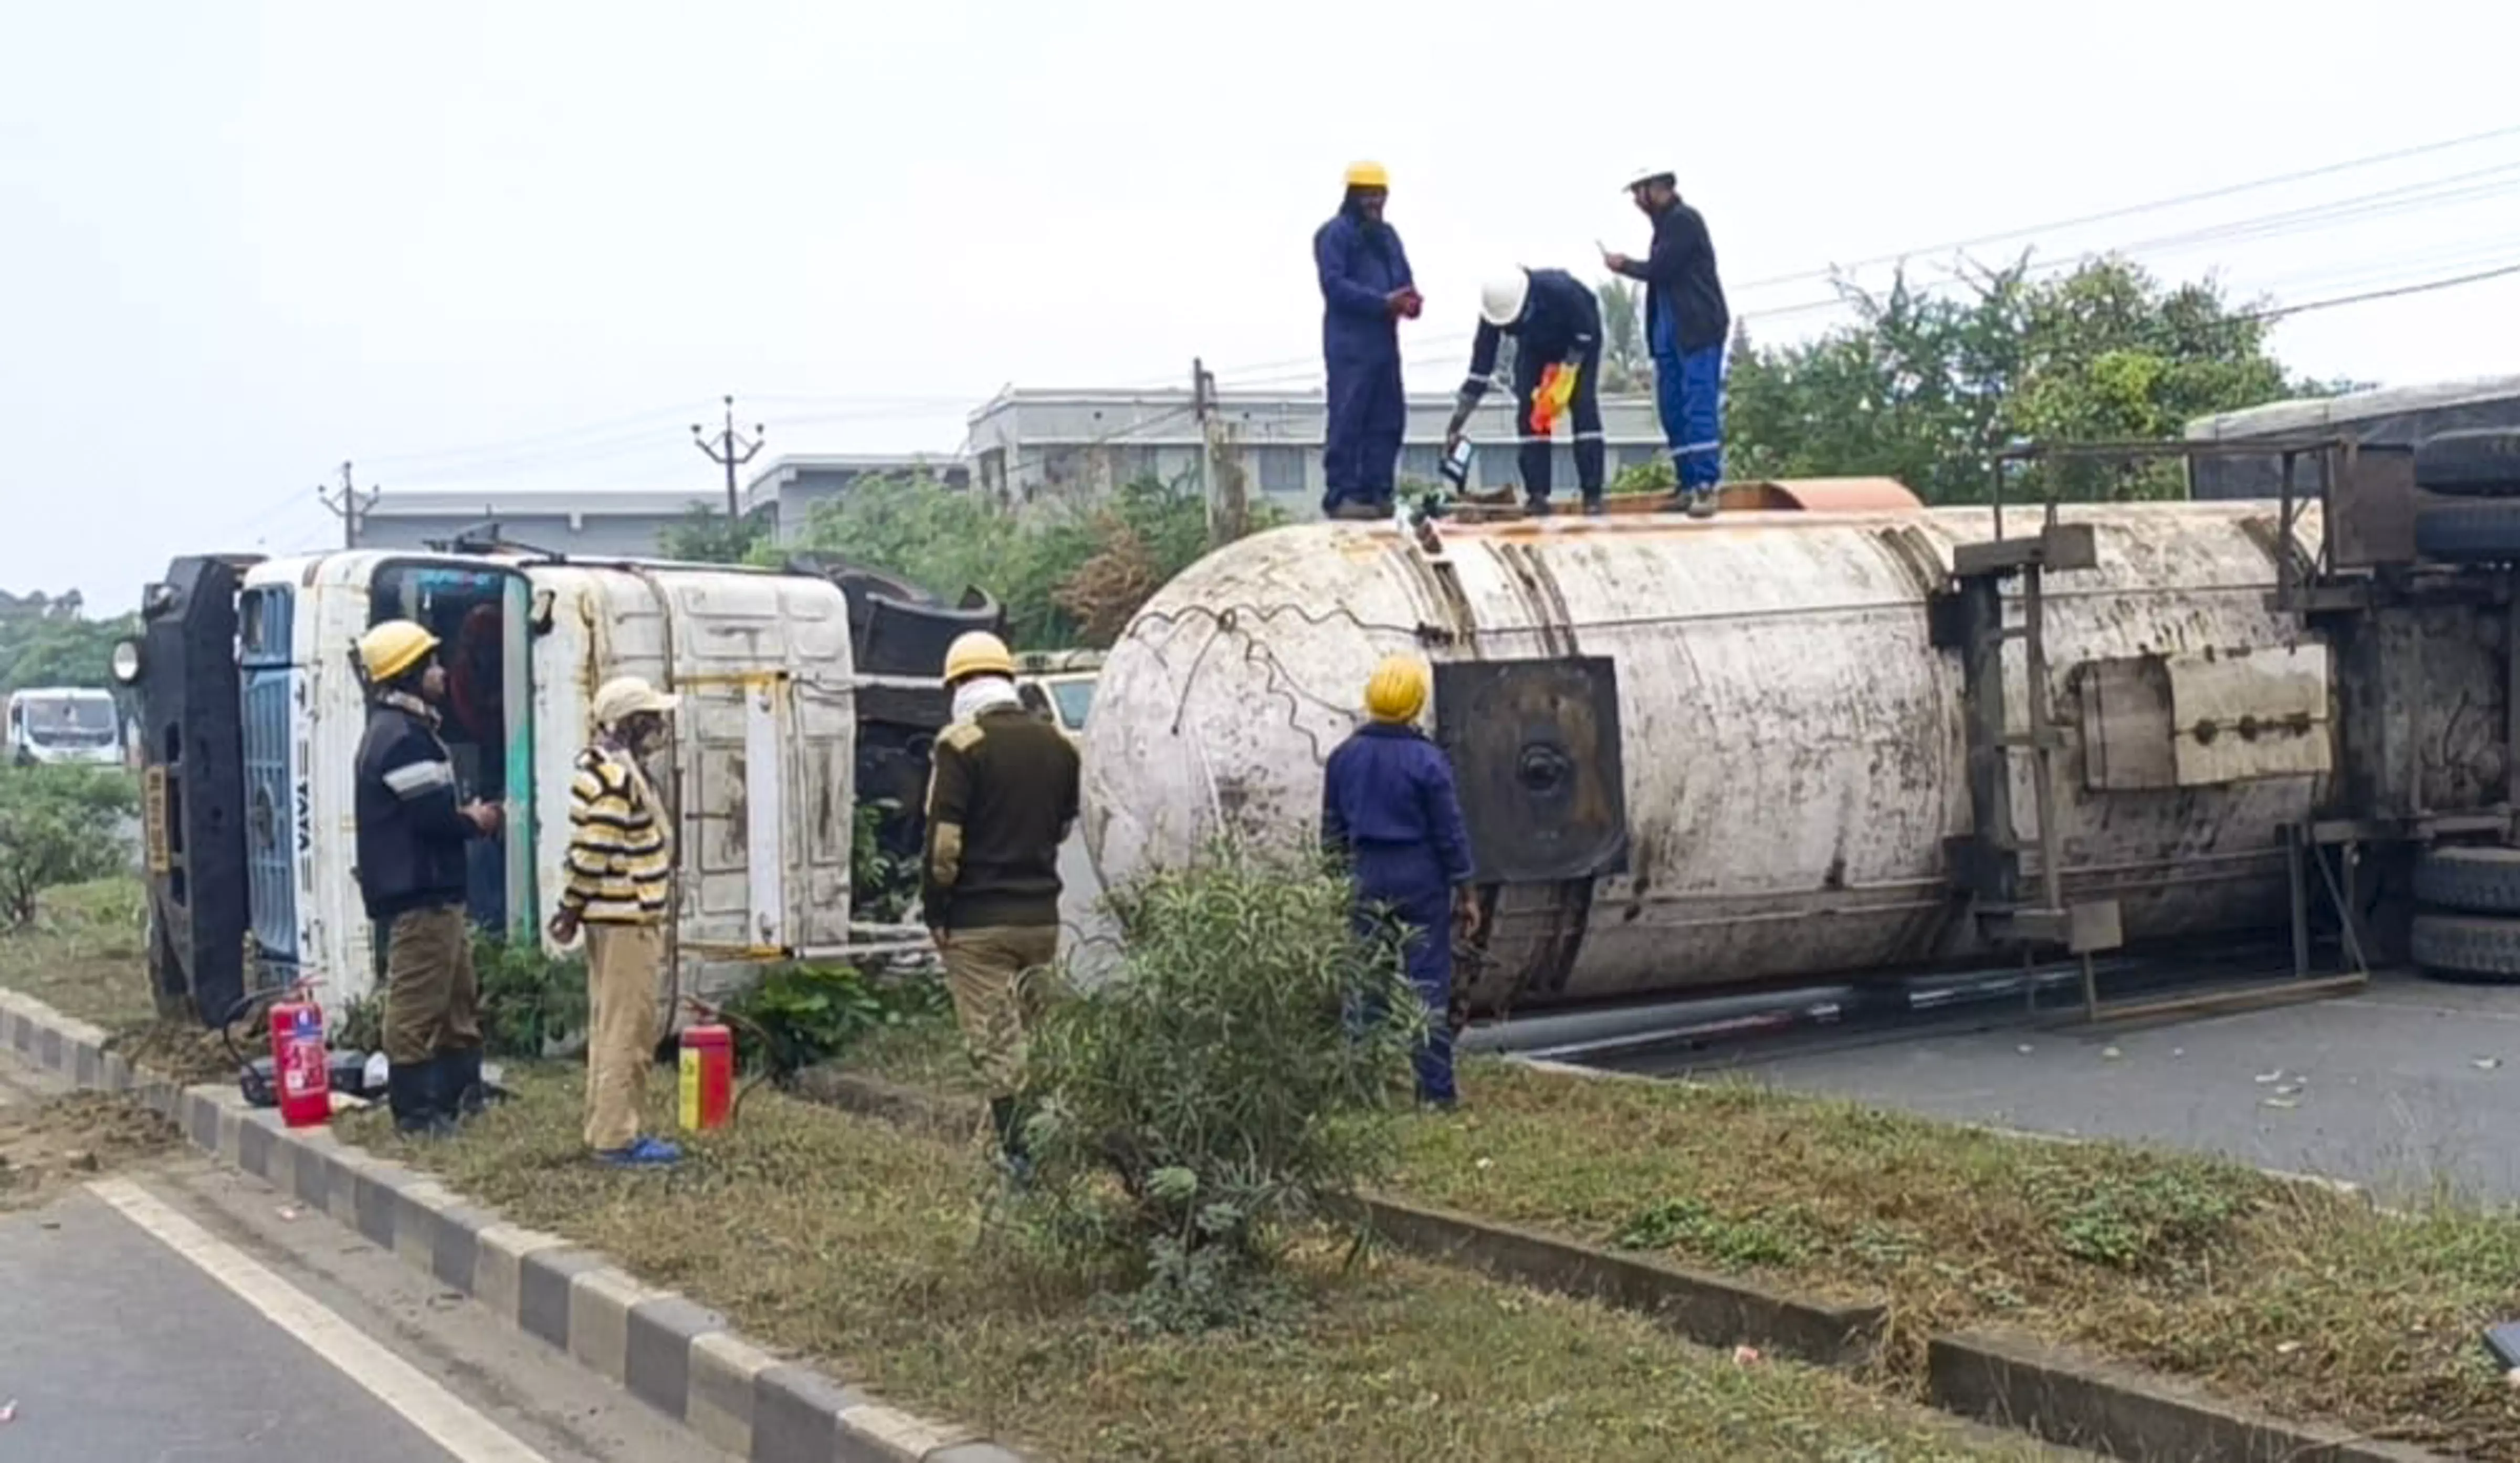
(526, 245)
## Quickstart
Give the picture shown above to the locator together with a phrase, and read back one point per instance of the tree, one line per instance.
(59, 650)
(1926, 384)
(59, 825)
(1626, 363)
(1066, 574)
(706, 535)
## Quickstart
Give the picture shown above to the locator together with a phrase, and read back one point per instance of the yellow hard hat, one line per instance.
(1397, 691)
(977, 652)
(1368, 175)
(389, 649)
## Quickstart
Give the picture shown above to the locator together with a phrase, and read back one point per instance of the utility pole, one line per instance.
(350, 506)
(725, 453)
(1220, 478)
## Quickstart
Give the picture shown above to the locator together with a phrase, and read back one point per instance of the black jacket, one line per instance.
(1681, 271)
(1561, 322)
(411, 837)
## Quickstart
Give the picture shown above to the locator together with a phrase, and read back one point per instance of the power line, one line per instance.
(725, 454)
(2132, 209)
(350, 506)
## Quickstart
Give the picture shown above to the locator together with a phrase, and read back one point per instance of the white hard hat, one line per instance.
(1500, 300)
(1638, 177)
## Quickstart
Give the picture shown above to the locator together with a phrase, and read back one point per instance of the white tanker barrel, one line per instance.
(1699, 755)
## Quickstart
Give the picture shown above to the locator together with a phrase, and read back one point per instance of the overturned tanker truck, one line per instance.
(1797, 745)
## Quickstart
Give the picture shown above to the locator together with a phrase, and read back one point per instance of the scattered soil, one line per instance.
(870, 1249)
(50, 1144)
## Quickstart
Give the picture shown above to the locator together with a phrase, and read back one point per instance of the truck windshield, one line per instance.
(1075, 697)
(79, 722)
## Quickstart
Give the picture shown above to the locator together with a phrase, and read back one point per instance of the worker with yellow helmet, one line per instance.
(1367, 291)
(411, 832)
(1002, 798)
(1390, 811)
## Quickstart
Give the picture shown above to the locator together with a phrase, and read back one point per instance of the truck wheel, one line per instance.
(2472, 462)
(2470, 880)
(2467, 947)
(2486, 533)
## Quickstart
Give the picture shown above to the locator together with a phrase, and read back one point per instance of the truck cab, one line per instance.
(64, 724)
(253, 706)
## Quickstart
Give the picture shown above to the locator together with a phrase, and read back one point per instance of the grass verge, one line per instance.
(865, 1246)
(2312, 1304)
(85, 955)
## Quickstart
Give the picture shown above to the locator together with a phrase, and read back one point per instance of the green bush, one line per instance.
(802, 1015)
(530, 998)
(883, 884)
(1216, 1074)
(57, 826)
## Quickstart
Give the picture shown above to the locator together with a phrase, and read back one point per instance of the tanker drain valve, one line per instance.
(1542, 768)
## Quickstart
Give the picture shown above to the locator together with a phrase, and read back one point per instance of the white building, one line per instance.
(1029, 442)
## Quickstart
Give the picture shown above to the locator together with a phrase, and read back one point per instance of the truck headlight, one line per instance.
(125, 663)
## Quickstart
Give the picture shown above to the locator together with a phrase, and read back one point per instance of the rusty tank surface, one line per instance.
(1697, 755)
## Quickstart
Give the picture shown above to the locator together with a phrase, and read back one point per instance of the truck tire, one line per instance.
(2468, 946)
(2470, 880)
(2484, 532)
(2473, 461)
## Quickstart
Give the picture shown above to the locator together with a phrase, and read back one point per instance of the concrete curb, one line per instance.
(2082, 1401)
(2025, 1386)
(673, 1354)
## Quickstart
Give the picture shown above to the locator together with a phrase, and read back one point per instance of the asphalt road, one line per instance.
(124, 1342)
(2407, 1084)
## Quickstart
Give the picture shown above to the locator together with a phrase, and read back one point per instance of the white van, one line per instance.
(55, 725)
(759, 778)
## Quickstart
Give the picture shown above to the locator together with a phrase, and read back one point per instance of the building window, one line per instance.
(1282, 469)
(1060, 467)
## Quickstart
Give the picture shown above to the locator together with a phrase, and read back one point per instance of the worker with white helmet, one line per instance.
(619, 890)
(412, 833)
(1555, 323)
(1687, 323)
(1367, 291)
(1002, 798)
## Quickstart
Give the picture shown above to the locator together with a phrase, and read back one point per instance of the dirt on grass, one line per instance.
(865, 1247)
(2309, 1302)
(49, 1144)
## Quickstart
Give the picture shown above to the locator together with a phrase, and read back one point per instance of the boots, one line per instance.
(465, 1096)
(413, 1092)
(1007, 1119)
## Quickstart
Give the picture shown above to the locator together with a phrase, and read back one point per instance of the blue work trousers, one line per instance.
(1426, 918)
(1689, 394)
(1368, 415)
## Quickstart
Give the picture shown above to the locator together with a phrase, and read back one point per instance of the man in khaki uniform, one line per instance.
(621, 890)
(1001, 799)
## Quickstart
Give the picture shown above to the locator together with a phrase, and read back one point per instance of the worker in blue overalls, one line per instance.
(1556, 321)
(1366, 292)
(1390, 811)
(1686, 324)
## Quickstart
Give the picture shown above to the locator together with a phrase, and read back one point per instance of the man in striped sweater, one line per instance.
(621, 878)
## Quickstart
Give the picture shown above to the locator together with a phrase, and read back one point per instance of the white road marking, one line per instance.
(437, 1413)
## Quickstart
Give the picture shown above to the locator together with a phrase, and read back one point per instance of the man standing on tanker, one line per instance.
(1002, 798)
(1390, 812)
(1556, 321)
(411, 844)
(1686, 322)
(1366, 290)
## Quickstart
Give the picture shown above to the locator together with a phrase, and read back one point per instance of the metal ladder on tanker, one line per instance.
(1986, 863)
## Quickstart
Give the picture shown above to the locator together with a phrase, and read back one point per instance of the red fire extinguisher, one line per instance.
(707, 1076)
(301, 1067)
